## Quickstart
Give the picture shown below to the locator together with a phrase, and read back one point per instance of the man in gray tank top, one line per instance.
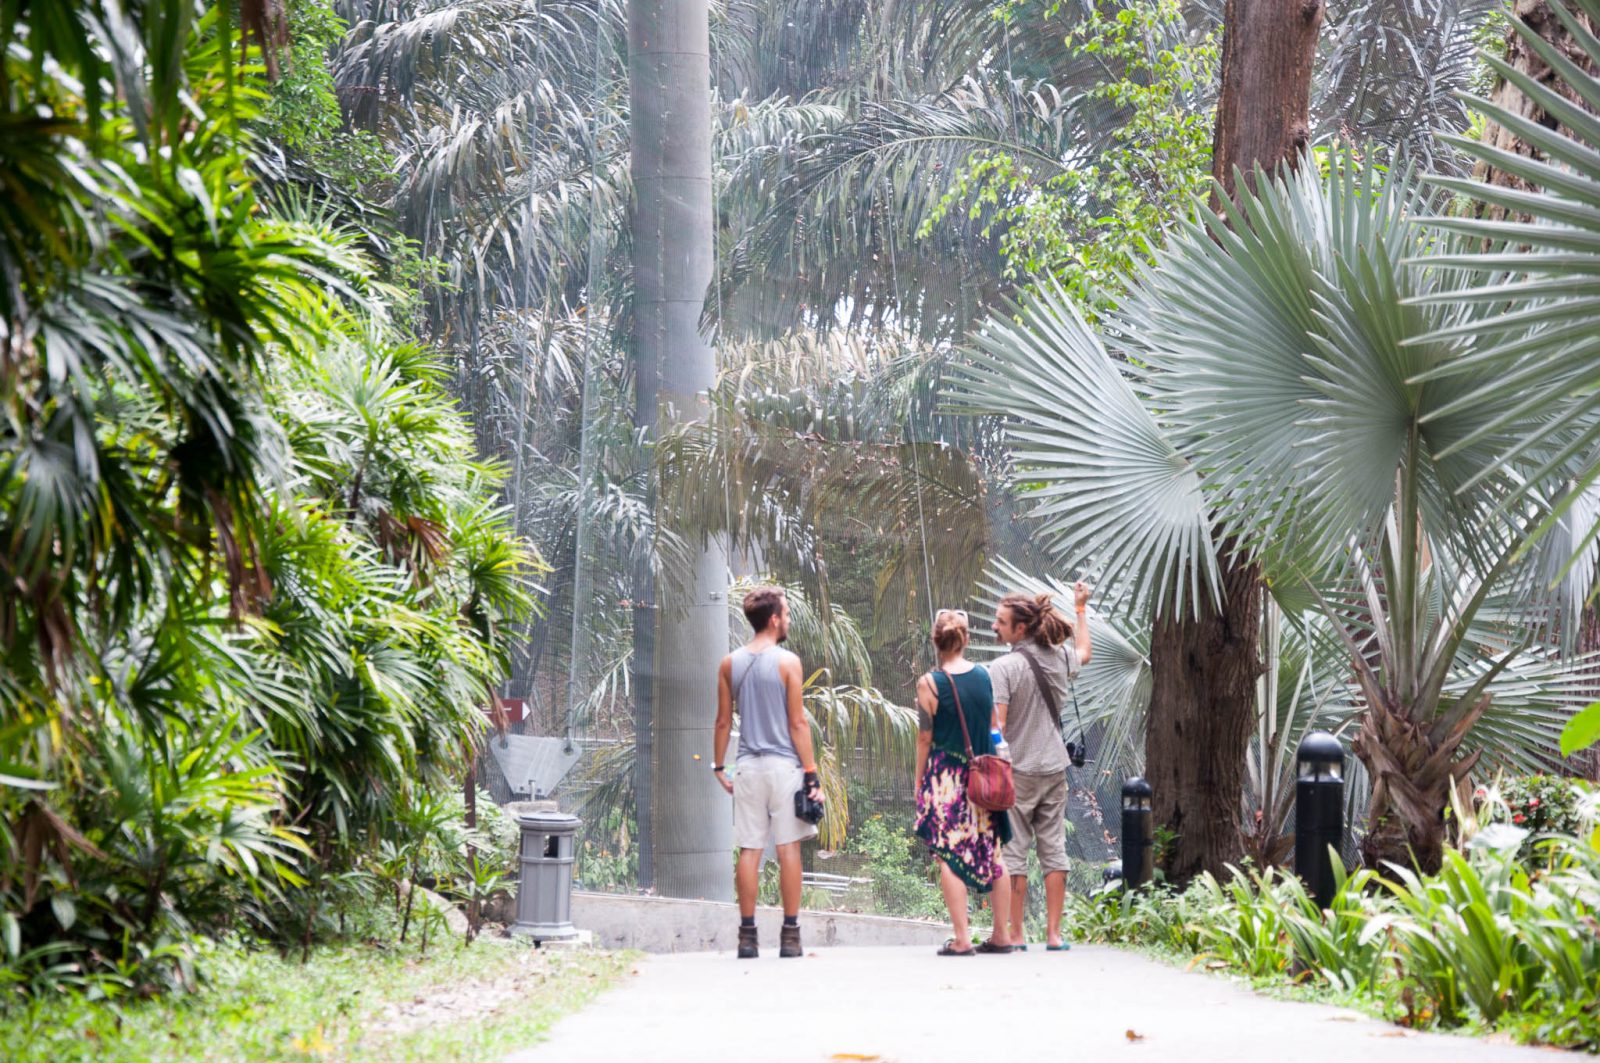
(775, 760)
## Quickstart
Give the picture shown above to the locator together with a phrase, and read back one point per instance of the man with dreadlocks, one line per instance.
(1030, 683)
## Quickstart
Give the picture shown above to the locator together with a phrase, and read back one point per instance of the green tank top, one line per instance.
(977, 708)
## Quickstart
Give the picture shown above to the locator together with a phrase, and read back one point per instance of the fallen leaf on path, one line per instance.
(868, 1056)
(1345, 1016)
(1393, 1033)
(1134, 1035)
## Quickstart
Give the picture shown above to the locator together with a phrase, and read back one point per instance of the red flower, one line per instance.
(1533, 802)
(1518, 818)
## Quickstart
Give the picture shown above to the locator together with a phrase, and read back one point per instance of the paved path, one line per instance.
(906, 1005)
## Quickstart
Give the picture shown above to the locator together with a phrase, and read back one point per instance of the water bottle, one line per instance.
(1002, 748)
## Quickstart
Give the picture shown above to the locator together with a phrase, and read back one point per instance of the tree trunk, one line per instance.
(1202, 711)
(1263, 114)
(681, 621)
(1413, 769)
(1538, 16)
(1203, 694)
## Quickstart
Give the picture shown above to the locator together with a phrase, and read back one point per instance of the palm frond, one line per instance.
(1117, 497)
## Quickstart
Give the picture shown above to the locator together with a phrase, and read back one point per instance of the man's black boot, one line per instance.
(789, 941)
(747, 943)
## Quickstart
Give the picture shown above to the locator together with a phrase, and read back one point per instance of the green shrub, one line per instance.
(1542, 805)
(1488, 939)
(1153, 917)
(1242, 923)
(1334, 943)
(899, 867)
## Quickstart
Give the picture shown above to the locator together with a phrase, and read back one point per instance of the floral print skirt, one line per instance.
(966, 838)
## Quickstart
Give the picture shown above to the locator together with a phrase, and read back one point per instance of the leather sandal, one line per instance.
(988, 946)
(948, 949)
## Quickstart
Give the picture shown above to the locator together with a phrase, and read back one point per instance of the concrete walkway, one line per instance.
(906, 1005)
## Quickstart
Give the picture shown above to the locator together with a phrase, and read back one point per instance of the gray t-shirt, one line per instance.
(1033, 734)
(763, 703)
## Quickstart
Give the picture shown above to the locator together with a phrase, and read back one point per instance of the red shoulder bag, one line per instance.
(989, 782)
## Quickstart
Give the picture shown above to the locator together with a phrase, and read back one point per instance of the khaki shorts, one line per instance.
(1038, 818)
(763, 803)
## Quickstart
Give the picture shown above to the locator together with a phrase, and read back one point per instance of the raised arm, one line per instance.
(1080, 629)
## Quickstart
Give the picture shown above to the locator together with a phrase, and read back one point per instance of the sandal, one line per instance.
(989, 946)
(947, 950)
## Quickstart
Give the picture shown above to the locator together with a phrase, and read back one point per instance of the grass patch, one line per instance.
(349, 1002)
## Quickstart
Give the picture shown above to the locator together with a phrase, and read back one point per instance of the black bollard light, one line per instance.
(1138, 856)
(1318, 812)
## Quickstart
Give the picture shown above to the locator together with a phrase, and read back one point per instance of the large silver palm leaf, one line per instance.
(1281, 353)
(1542, 351)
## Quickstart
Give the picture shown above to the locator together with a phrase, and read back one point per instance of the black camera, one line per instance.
(1077, 753)
(806, 807)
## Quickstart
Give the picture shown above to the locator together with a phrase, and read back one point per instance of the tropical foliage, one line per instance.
(1383, 525)
(259, 581)
(1485, 940)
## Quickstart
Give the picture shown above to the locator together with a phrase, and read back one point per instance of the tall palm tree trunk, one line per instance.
(681, 621)
(1204, 669)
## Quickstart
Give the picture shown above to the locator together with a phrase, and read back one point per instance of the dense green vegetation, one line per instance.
(257, 578)
(262, 573)
(1488, 942)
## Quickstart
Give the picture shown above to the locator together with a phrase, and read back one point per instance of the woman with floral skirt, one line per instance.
(965, 838)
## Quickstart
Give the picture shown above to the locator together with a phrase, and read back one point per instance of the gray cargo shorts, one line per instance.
(1038, 818)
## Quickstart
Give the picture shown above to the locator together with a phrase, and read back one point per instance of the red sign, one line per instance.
(516, 709)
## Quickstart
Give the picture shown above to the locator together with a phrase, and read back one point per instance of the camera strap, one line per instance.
(1050, 695)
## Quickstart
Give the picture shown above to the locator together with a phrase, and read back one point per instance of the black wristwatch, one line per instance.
(717, 770)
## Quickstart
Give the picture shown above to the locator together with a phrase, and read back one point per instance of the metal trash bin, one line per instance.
(544, 879)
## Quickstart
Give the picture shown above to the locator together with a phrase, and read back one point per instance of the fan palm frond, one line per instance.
(1540, 349)
(1121, 502)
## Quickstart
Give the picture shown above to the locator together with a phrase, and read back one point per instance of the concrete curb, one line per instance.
(669, 924)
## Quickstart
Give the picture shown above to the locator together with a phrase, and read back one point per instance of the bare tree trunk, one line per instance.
(681, 622)
(1202, 703)
(1202, 711)
(1263, 114)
